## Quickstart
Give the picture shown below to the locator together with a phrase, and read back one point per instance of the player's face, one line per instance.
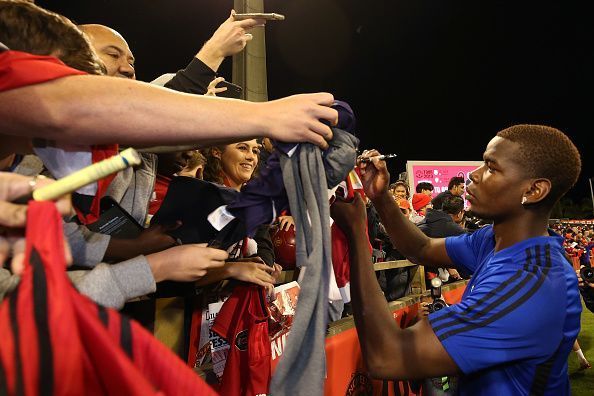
(239, 160)
(497, 186)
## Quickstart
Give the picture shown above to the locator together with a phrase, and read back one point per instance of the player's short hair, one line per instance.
(546, 152)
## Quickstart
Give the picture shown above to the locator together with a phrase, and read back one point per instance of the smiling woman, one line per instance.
(232, 165)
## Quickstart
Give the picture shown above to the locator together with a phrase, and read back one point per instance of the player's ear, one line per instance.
(539, 189)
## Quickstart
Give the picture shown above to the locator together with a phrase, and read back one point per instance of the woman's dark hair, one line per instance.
(213, 169)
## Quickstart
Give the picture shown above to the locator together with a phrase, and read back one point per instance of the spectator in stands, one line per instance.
(425, 188)
(420, 203)
(394, 282)
(400, 189)
(109, 285)
(521, 309)
(112, 49)
(441, 223)
(456, 188)
(83, 127)
(401, 193)
(170, 165)
(195, 165)
(108, 110)
(267, 149)
(232, 166)
(587, 291)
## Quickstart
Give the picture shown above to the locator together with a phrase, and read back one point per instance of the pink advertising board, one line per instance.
(438, 173)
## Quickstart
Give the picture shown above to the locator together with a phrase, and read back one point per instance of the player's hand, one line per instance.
(298, 118)
(374, 175)
(350, 217)
(185, 263)
(286, 222)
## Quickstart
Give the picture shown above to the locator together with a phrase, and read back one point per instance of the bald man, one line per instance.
(112, 49)
(230, 38)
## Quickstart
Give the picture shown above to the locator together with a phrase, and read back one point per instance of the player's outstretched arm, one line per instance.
(405, 236)
(388, 351)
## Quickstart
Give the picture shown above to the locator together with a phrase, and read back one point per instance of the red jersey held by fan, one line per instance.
(243, 322)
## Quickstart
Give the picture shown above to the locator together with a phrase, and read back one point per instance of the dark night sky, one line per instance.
(428, 80)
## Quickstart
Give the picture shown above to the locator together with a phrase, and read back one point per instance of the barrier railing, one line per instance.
(345, 372)
(417, 273)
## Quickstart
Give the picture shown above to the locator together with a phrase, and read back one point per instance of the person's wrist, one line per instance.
(210, 56)
(156, 265)
(259, 116)
(382, 198)
(354, 230)
(230, 270)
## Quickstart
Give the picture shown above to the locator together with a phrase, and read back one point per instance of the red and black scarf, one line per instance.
(54, 341)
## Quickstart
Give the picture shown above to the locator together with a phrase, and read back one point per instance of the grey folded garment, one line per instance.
(339, 158)
(302, 366)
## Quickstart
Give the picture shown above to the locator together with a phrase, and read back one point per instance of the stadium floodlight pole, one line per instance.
(249, 65)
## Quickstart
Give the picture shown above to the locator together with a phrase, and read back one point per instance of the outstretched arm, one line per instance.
(99, 109)
(406, 237)
(388, 351)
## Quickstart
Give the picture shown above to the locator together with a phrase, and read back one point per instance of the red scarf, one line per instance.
(99, 153)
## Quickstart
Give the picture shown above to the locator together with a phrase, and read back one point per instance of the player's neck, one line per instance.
(517, 229)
